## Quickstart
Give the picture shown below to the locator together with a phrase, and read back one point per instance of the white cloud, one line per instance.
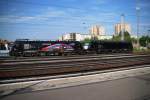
(55, 16)
(98, 2)
(15, 19)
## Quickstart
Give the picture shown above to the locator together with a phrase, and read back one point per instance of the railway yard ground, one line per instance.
(76, 77)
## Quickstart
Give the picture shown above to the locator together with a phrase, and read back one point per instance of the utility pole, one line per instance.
(148, 32)
(138, 22)
(122, 27)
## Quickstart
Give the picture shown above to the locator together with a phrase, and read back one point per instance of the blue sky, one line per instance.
(49, 19)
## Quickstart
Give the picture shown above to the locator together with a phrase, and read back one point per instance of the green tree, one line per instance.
(116, 38)
(94, 38)
(86, 40)
(134, 40)
(144, 40)
(127, 37)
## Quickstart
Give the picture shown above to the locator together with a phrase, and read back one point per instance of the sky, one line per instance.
(49, 19)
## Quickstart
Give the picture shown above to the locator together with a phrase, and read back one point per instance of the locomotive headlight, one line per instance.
(86, 46)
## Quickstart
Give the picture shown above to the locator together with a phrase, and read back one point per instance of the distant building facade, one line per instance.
(81, 37)
(74, 37)
(97, 30)
(120, 27)
(105, 37)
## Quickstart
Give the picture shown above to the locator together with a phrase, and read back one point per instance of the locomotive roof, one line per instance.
(32, 41)
(104, 41)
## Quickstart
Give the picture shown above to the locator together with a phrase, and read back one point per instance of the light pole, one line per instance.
(138, 22)
(122, 27)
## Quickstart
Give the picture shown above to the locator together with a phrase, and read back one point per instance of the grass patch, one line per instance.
(141, 50)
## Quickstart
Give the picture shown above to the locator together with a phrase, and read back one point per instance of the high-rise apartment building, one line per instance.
(122, 27)
(97, 30)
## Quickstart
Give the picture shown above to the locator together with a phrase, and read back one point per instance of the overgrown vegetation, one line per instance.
(127, 37)
(144, 41)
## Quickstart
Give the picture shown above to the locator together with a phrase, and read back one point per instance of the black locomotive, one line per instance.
(27, 47)
(109, 47)
(32, 48)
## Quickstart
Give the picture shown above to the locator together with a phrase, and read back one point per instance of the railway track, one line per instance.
(38, 59)
(62, 66)
(22, 59)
